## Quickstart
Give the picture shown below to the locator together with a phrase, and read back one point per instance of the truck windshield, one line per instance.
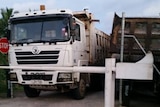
(40, 30)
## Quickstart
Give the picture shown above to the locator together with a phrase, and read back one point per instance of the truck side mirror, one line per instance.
(73, 27)
(8, 33)
(73, 24)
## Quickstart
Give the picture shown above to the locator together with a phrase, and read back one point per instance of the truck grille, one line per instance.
(44, 57)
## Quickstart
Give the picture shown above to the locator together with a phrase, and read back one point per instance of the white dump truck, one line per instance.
(54, 38)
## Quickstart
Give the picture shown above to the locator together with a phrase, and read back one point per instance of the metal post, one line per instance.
(8, 82)
(121, 55)
(109, 83)
(122, 37)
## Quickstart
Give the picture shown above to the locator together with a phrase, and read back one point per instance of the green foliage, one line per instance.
(3, 59)
(5, 15)
(3, 85)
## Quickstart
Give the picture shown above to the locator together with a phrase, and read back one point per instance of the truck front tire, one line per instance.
(80, 91)
(31, 92)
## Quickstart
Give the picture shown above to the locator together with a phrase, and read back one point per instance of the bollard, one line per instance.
(109, 82)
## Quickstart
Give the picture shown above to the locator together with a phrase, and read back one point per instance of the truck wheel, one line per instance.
(31, 92)
(80, 91)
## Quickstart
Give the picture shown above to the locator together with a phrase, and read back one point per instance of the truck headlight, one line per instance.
(64, 77)
(13, 77)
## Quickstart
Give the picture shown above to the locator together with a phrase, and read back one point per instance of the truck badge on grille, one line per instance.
(35, 50)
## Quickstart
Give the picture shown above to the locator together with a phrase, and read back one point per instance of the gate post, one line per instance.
(109, 82)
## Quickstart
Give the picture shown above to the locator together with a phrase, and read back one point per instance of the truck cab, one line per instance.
(46, 38)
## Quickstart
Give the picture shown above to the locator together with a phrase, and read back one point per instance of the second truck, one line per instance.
(147, 31)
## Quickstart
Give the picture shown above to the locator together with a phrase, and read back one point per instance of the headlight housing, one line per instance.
(13, 76)
(64, 77)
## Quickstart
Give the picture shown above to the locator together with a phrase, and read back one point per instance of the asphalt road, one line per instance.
(93, 99)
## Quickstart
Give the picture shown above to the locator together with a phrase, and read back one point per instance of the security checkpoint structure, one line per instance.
(141, 70)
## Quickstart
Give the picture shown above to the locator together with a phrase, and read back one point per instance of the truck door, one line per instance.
(78, 45)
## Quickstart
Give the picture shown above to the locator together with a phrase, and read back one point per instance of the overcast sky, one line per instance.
(102, 9)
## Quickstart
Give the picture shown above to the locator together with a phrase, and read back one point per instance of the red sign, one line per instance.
(4, 45)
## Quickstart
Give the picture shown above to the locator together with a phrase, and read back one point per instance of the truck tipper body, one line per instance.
(147, 32)
(55, 38)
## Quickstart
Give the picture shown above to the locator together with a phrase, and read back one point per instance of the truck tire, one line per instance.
(31, 92)
(80, 91)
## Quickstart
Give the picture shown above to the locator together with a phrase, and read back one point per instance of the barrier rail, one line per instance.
(112, 71)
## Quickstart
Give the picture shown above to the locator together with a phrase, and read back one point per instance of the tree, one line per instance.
(5, 15)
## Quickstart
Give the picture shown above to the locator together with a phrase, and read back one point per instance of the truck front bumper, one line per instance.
(42, 78)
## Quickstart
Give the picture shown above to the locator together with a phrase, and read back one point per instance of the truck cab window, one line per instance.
(77, 33)
(55, 29)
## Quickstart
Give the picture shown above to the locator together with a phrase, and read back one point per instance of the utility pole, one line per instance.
(121, 55)
(124, 84)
